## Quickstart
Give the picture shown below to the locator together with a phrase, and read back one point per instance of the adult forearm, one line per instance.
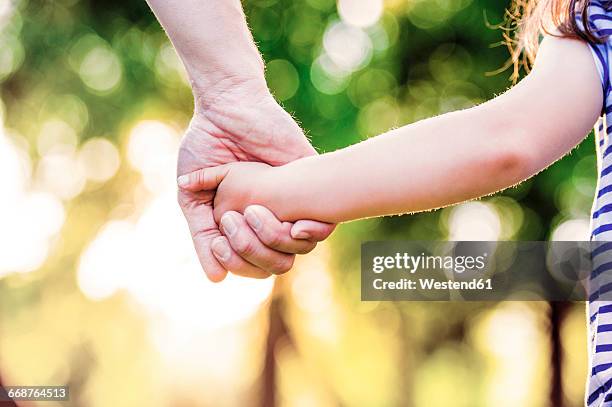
(213, 40)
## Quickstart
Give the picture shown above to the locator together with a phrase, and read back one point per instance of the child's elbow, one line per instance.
(513, 161)
(512, 165)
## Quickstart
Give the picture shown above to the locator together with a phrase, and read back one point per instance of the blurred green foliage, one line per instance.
(100, 66)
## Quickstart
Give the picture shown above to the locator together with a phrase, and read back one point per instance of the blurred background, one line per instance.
(100, 288)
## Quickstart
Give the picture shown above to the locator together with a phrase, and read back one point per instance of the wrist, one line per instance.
(287, 191)
(227, 91)
(273, 192)
(308, 189)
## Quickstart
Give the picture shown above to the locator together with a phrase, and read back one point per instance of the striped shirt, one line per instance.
(599, 311)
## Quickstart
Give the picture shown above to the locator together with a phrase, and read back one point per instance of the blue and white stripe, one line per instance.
(599, 388)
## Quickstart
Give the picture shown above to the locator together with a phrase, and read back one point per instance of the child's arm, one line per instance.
(435, 162)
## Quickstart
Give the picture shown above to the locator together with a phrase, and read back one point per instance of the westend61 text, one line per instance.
(432, 284)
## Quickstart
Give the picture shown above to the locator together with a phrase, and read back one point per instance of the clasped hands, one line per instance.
(241, 122)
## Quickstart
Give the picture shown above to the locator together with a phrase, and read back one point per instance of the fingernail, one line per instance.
(221, 250)
(183, 180)
(252, 219)
(302, 235)
(229, 226)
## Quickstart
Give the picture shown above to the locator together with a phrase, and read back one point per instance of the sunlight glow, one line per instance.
(29, 219)
(349, 48)
(6, 8)
(60, 174)
(312, 290)
(152, 149)
(99, 159)
(360, 13)
(311, 285)
(153, 260)
(572, 230)
(100, 69)
(168, 65)
(106, 261)
(56, 136)
(474, 221)
(511, 335)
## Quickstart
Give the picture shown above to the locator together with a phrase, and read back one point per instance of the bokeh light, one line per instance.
(60, 173)
(473, 221)
(282, 78)
(512, 336)
(360, 13)
(169, 67)
(349, 48)
(99, 158)
(100, 69)
(152, 149)
(30, 218)
(572, 230)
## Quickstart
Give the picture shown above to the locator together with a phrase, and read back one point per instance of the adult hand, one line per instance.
(240, 121)
(235, 118)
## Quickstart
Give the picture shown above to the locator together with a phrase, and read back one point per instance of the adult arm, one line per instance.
(213, 41)
(235, 118)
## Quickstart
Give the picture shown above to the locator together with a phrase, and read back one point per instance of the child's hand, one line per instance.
(257, 191)
(237, 185)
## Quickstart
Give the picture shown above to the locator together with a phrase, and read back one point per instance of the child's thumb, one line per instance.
(203, 179)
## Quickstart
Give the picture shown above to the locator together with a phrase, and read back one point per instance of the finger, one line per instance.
(312, 230)
(250, 248)
(231, 261)
(214, 270)
(203, 229)
(274, 233)
(203, 179)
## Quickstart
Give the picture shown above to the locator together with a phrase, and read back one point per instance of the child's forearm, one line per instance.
(453, 157)
(431, 164)
(427, 165)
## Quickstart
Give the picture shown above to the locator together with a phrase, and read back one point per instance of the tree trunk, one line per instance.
(558, 310)
(277, 332)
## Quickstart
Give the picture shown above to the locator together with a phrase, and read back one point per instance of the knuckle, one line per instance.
(282, 265)
(245, 247)
(272, 238)
(306, 248)
(199, 175)
(186, 202)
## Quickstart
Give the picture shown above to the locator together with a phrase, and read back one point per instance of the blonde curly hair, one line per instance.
(528, 20)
